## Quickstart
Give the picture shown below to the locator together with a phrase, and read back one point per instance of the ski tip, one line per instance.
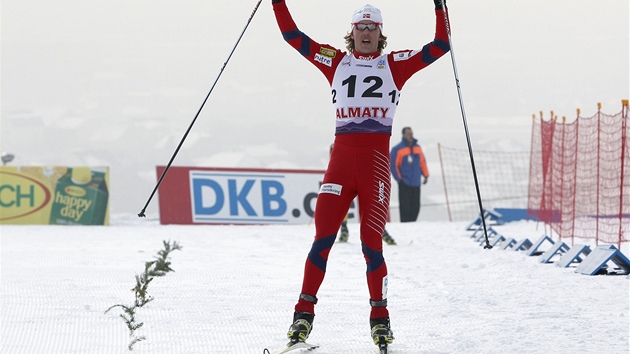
(290, 347)
(383, 348)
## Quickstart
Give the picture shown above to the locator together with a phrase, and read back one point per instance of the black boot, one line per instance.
(387, 238)
(381, 332)
(343, 236)
(301, 327)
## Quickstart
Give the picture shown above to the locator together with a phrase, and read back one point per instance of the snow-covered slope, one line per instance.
(234, 288)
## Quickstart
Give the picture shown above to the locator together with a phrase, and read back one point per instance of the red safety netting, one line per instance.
(579, 182)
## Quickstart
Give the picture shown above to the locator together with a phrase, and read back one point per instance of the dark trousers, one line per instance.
(408, 202)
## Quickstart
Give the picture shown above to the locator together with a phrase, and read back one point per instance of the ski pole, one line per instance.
(141, 214)
(461, 105)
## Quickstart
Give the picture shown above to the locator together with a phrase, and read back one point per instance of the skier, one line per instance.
(344, 233)
(366, 87)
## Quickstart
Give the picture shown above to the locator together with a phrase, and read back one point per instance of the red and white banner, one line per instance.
(196, 195)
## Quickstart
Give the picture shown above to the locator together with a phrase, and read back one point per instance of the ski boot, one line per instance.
(301, 327)
(388, 239)
(382, 335)
(343, 236)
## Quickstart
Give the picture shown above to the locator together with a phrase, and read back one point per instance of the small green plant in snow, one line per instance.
(156, 268)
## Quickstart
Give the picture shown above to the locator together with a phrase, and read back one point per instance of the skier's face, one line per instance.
(365, 39)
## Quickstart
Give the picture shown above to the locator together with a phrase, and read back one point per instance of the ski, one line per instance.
(292, 346)
(409, 243)
(383, 348)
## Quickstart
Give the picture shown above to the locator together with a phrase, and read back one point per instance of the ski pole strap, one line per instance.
(378, 303)
(309, 298)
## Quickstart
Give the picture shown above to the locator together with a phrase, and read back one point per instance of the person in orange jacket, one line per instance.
(408, 167)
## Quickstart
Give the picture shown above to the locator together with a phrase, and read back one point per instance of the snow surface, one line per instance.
(234, 287)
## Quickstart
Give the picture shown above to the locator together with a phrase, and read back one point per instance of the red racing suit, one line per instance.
(365, 94)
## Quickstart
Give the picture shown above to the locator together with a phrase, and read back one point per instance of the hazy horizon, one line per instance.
(117, 83)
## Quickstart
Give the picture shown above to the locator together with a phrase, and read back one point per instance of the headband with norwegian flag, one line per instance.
(367, 12)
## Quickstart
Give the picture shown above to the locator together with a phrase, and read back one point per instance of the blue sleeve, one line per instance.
(392, 163)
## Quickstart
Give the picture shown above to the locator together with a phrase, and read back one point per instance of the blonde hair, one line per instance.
(382, 42)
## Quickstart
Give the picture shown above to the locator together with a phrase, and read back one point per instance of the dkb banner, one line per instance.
(195, 195)
(54, 195)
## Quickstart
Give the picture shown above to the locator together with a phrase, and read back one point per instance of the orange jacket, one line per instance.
(407, 163)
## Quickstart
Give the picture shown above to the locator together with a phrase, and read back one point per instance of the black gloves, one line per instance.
(438, 3)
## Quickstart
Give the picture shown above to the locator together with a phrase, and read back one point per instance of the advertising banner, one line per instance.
(196, 195)
(58, 195)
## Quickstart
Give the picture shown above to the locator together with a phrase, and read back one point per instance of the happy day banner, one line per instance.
(36, 195)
